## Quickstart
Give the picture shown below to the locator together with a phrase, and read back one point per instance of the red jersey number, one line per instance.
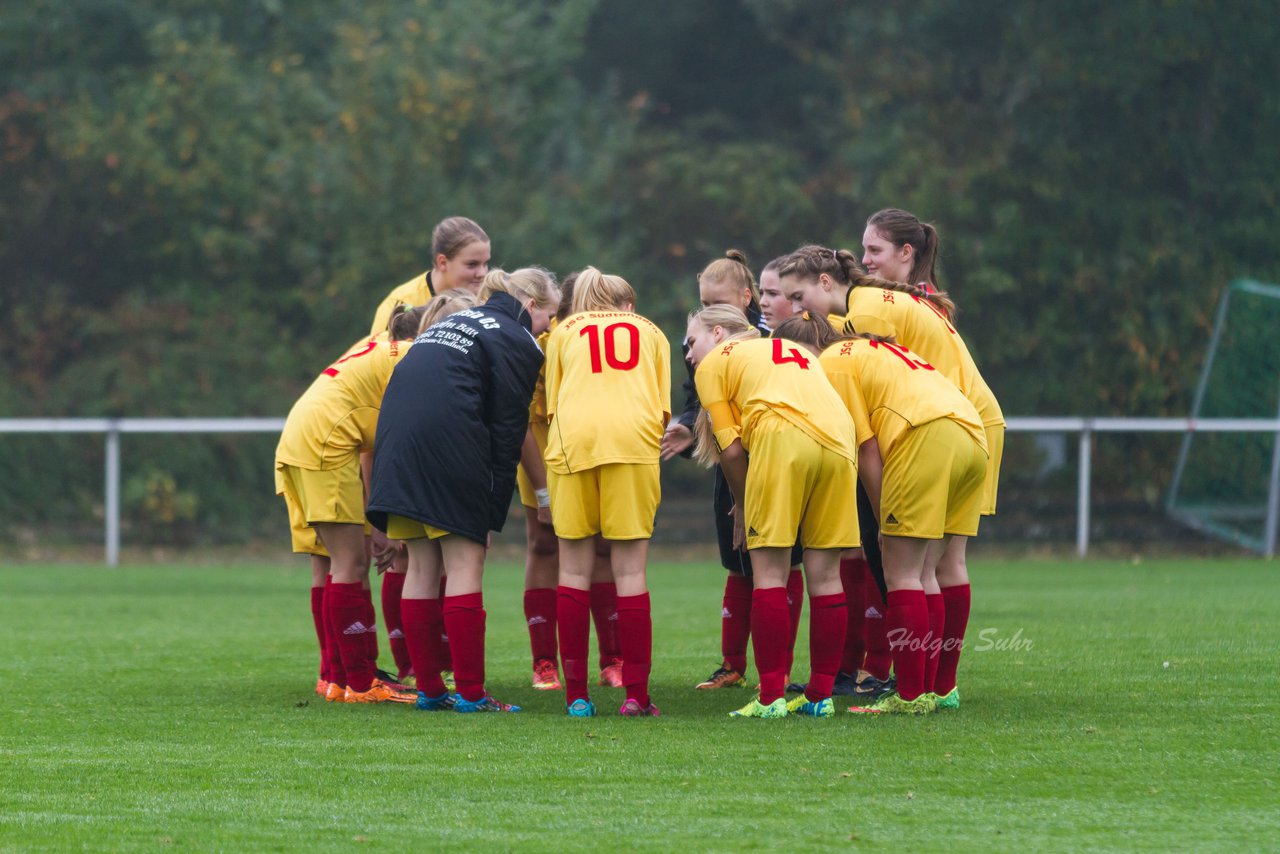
(904, 354)
(332, 370)
(792, 355)
(592, 332)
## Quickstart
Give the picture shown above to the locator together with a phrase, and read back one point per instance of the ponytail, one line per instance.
(737, 327)
(404, 322)
(734, 269)
(596, 291)
(901, 228)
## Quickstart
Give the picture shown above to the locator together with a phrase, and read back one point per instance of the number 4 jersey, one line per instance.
(740, 381)
(608, 391)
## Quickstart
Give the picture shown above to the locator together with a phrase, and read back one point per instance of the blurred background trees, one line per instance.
(202, 202)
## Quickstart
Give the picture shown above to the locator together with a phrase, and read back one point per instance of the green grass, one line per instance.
(169, 706)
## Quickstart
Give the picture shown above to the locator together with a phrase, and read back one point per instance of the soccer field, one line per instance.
(1105, 706)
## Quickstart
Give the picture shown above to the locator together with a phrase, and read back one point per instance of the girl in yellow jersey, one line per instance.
(318, 473)
(922, 457)
(770, 399)
(828, 280)
(608, 384)
(459, 259)
(542, 549)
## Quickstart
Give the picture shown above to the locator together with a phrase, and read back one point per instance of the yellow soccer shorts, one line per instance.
(615, 500)
(403, 528)
(333, 495)
(527, 498)
(933, 483)
(795, 484)
(304, 538)
(995, 451)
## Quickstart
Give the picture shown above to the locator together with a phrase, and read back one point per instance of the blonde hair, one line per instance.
(527, 283)
(811, 330)
(452, 235)
(733, 268)
(737, 327)
(596, 291)
(444, 304)
(809, 262)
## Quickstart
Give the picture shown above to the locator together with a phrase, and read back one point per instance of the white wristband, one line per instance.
(543, 496)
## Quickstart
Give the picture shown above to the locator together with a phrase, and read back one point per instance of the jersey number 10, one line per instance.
(611, 346)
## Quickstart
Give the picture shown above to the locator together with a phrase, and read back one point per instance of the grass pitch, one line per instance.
(1105, 706)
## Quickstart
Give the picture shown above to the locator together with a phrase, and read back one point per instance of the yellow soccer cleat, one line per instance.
(756, 709)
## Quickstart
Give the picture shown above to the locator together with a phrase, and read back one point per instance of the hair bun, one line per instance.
(736, 255)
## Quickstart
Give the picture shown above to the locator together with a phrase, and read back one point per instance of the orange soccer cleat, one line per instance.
(381, 692)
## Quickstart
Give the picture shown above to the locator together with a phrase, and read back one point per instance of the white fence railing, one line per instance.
(113, 428)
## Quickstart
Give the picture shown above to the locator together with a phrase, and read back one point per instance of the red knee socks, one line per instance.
(735, 626)
(956, 600)
(604, 613)
(795, 604)
(464, 620)
(392, 590)
(770, 629)
(828, 618)
(573, 622)
(937, 622)
(635, 635)
(317, 618)
(346, 612)
(332, 651)
(423, 623)
(908, 623)
(876, 627)
(540, 615)
(852, 572)
(446, 651)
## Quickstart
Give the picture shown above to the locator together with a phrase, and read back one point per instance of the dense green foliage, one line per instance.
(201, 203)
(194, 726)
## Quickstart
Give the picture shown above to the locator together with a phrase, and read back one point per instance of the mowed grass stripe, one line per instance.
(172, 705)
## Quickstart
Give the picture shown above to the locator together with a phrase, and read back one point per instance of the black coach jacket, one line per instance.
(452, 421)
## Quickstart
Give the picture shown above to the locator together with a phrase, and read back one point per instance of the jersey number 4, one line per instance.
(792, 355)
(610, 336)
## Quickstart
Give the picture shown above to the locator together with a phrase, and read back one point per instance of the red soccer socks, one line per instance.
(770, 631)
(540, 616)
(464, 620)
(735, 626)
(828, 618)
(908, 622)
(956, 601)
(604, 613)
(853, 574)
(346, 609)
(392, 589)
(573, 623)
(423, 624)
(635, 636)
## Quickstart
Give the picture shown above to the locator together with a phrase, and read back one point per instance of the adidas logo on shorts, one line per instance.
(751, 532)
(891, 520)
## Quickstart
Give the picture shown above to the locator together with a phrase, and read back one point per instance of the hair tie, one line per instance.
(804, 315)
(835, 255)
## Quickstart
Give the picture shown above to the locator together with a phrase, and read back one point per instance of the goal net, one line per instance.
(1223, 482)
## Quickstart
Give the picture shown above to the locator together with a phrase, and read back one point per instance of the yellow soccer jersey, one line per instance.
(538, 407)
(416, 291)
(608, 391)
(335, 419)
(917, 323)
(742, 380)
(888, 390)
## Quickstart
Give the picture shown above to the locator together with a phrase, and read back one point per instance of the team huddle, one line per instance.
(853, 441)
